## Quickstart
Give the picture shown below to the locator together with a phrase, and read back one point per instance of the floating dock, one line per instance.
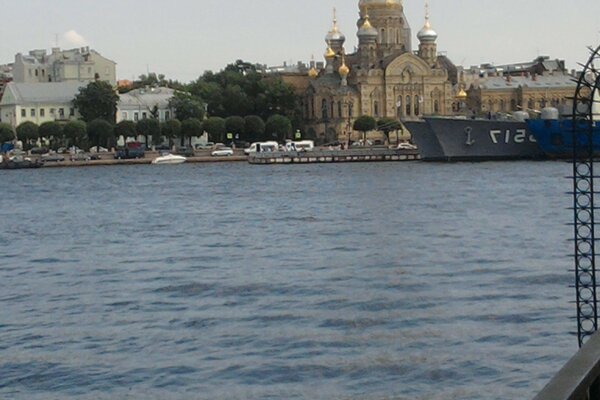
(334, 156)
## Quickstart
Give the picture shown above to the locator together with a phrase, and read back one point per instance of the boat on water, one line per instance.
(463, 139)
(559, 137)
(18, 161)
(169, 159)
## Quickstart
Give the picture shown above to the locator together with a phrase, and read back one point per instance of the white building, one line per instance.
(81, 64)
(145, 103)
(39, 102)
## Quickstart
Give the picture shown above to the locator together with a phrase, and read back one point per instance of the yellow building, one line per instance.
(383, 78)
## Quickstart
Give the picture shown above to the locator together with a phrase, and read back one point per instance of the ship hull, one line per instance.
(450, 139)
(555, 137)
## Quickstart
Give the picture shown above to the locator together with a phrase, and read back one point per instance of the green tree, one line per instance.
(6, 133)
(26, 132)
(171, 129)
(364, 124)
(126, 129)
(149, 127)
(387, 125)
(75, 132)
(100, 131)
(279, 127)
(52, 131)
(236, 126)
(236, 101)
(190, 128)
(187, 106)
(97, 100)
(215, 126)
(254, 128)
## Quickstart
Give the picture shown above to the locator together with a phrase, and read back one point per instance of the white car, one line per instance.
(406, 146)
(222, 152)
(98, 149)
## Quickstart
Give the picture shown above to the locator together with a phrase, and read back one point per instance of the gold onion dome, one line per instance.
(344, 70)
(462, 95)
(313, 73)
(329, 53)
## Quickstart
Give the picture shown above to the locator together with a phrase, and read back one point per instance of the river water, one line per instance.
(231, 281)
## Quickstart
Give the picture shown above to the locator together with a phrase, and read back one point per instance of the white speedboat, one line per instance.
(169, 159)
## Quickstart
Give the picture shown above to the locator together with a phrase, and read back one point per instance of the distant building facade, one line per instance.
(527, 86)
(39, 102)
(80, 64)
(385, 77)
(145, 103)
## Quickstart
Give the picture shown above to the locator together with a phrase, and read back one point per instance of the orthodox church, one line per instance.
(384, 77)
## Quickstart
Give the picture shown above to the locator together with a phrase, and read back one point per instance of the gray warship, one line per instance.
(463, 139)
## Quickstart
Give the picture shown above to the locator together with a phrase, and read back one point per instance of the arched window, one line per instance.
(376, 108)
(332, 108)
(350, 110)
(513, 105)
(417, 104)
(408, 105)
(436, 106)
(340, 115)
(324, 111)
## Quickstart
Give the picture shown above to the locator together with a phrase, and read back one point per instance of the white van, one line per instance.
(262, 147)
(302, 145)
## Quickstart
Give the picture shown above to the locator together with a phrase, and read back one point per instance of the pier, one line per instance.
(334, 156)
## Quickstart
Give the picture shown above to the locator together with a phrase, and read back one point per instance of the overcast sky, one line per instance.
(184, 38)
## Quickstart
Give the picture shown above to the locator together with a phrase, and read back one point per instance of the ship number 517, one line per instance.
(507, 136)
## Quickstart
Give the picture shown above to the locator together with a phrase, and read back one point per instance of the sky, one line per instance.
(183, 38)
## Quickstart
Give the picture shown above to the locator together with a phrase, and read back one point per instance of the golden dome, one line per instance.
(462, 95)
(313, 73)
(344, 70)
(329, 53)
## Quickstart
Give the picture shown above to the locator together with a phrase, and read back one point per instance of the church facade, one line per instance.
(383, 78)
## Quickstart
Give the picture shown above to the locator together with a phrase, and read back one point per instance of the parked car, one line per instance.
(162, 147)
(98, 149)
(184, 151)
(80, 157)
(55, 157)
(39, 150)
(130, 152)
(222, 152)
(204, 146)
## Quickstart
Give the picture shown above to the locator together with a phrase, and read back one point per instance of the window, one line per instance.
(124, 116)
(376, 109)
(37, 72)
(42, 112)
(417, 102)
(136, 116)
(408, 102)
(339, 109)
(52, 111)
(61, 113)
(436, 106)
(350, 110)
(23, 113)
(144, 115)
(32, 113)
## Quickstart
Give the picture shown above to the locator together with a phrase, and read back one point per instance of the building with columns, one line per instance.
(384, 77)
